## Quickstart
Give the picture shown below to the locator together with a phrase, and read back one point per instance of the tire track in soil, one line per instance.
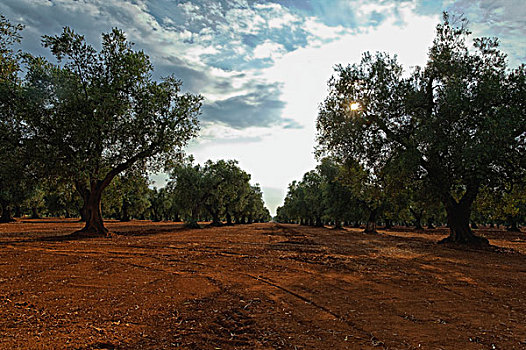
(228, 324)
(368, 336)
(297, 242)
(236, 319)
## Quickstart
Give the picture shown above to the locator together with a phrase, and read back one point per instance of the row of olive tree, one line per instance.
(12, 153)
(320, 197)
(217, 191)
(458, 124)
(346, 194)
(128, 195)
(336, 193)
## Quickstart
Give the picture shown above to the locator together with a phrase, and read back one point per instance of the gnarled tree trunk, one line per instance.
(370, 227)
(6, 213)
(34, 213)
(215, 216)
(418, 218)
(458, 221)
(83, 210)
(94, 222)
(84, 193)
(228, 218)
(194, 219)
(125, 216)
(430, 221)
(18, 211)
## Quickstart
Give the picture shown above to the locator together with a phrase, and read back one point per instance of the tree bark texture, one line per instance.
(6, 213)
(458, 221)
(370, 227)
(94, 222)
(228, 218)
(418, 218)
(34, 213)
(430, 223)
(125, 216)
(215, 217)
(18, 211)
(91, 209)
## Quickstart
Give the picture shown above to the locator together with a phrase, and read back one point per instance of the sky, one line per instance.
(263, 66)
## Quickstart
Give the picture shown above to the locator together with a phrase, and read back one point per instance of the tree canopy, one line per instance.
(218, 190)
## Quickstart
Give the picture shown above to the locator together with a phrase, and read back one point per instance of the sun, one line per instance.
(355, 106)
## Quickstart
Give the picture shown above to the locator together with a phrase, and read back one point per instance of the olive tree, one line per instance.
(216, 189)
(100, 113)
(189, 187)
(460, 120)
(339, 200)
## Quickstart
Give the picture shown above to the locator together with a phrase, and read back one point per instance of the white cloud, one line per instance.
(287, 154)
(188, 7)
(281, 21)
(270, 6)
(280, 156)
(505, 19)
(268, 49)
(243, 21)
(276, 15)
(304, 72)
(320, 32)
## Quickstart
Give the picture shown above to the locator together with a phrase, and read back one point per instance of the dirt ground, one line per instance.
(260, 286)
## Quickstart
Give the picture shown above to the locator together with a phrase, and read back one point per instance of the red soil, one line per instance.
(260, 286)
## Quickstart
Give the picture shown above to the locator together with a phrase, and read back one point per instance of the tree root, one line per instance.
(91, 233)
(374, 232)
(216, 224)
(5, 221)
(192, 225)
(474, 241)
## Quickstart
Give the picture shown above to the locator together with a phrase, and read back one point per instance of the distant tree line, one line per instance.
(218, 192)
(79, 136)
(447, 137)
(340, 195)
(215, 191)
